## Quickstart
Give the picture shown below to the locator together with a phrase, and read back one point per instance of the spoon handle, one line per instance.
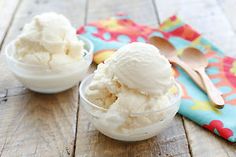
(195, 77)
(212, 91)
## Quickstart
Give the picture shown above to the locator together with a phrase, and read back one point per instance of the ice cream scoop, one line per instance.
(49, 39)
(140, 66)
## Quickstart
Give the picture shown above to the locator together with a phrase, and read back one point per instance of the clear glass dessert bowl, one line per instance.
(43, 78)
(140, 126)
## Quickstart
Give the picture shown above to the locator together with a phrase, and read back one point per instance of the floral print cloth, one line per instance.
(110, 34)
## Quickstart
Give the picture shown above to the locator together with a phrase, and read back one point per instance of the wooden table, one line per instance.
(33, 124)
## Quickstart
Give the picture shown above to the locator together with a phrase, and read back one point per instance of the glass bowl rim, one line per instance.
(84, 39)
(82, 95)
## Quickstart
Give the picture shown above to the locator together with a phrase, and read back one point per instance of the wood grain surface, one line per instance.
(7, 12)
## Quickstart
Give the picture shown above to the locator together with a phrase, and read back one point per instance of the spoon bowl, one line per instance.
(165, 47)
(191, 55)
(197, 61)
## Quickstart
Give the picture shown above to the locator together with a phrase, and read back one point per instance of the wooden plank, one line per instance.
(205, 16)
(142, 11)
(91, 143)
(7, 10)
(202, 15)
(205, 144)
(228, 8)
(34, 124)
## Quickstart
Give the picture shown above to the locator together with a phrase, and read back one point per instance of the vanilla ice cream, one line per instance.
(48, 56)
(135, 80)
(49, 39)
(140, 66)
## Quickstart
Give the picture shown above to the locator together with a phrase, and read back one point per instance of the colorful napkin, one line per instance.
(114, 32)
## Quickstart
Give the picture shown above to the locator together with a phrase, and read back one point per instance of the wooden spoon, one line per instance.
(169, 51)
(197, 61)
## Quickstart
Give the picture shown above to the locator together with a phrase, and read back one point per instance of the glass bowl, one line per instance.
(42, 78)
(146, 124)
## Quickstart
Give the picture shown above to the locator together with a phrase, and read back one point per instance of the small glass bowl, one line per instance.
(42, 78)
(153, 122)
